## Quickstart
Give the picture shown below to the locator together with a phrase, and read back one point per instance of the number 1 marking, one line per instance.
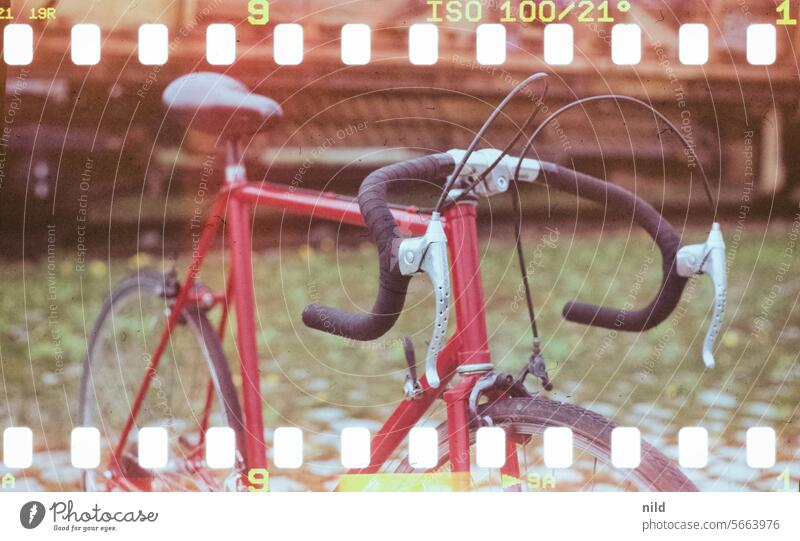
(784, 8)
(787, 481)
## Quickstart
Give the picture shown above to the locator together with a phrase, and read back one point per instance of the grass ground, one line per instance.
(309, 378)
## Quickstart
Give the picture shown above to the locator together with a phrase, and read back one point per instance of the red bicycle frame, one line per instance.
(468, 344)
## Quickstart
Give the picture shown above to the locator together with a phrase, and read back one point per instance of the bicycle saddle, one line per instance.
(218, 104)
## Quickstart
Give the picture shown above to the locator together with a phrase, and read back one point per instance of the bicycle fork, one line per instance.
(457, 404)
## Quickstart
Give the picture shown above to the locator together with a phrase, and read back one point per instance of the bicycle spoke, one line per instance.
(178, 395)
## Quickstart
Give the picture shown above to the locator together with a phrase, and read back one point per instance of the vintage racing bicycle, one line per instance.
(156, 359)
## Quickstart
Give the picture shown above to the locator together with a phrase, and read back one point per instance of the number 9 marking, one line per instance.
(259, 12)
(258, 480)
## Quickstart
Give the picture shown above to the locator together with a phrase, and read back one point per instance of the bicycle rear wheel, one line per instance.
(190, 390)
(525, 418)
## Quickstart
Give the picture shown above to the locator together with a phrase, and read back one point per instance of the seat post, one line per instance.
(234, 162)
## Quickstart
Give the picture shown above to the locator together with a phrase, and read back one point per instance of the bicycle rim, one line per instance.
(525, 419)
(190, 391)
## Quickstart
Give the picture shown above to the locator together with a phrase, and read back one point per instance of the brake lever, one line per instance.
(428, 254)
(709, 259)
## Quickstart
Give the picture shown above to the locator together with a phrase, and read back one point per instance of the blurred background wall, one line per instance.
(105, 124)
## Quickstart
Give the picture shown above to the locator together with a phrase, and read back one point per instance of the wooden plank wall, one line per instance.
(431, 107)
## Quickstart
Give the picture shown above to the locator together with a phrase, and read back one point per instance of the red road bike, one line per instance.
(155, 359)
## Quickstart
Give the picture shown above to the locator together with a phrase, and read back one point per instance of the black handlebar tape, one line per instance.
(392, 285)
(626, 204)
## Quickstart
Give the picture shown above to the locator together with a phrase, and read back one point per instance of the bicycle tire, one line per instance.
(152, 282)
(591, 432)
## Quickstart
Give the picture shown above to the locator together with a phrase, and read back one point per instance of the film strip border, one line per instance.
(423, 44)
(423, 447)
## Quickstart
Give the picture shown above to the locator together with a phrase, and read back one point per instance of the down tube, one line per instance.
(206, 239)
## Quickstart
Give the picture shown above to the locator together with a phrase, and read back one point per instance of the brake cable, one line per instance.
(509, 146)
(506, 150)
(535, 364)
(479, 136)
(618, 97)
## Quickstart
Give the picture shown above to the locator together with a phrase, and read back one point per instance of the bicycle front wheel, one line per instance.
(190, 390)
(523, 419)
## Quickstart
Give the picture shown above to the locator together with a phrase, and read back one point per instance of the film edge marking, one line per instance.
(626, 46)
